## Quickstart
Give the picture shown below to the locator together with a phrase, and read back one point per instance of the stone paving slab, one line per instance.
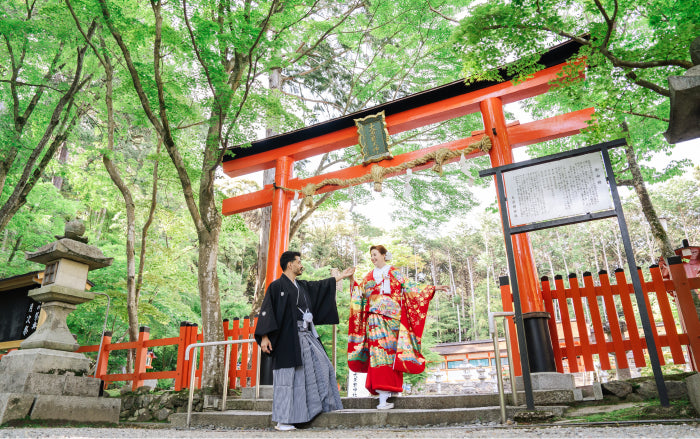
(543, 397)
(356, 417)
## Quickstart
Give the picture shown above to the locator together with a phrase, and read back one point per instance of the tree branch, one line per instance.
(28, 84)
(647, 84)
(634, 113)
(138, 87)
(435, 11)
(625, 182)
(328, 32)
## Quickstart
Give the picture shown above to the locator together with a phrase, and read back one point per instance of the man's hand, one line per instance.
(345, 273)
(265, 344)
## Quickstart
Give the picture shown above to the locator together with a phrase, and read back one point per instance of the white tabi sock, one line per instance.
(383, 396)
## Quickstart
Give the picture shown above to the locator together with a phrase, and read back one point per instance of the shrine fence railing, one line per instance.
(242, 372)
(598, 325)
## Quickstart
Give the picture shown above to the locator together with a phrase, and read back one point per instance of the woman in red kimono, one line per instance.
(387, 315)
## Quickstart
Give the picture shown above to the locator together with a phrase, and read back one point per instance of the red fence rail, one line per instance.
(590, 320)
(244, 358)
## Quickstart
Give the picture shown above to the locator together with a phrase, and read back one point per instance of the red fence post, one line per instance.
(232, 359)
(101, 366)
(200, 359)
(234, 372)
(646, 289)
(254, 368)
(552, 322)
(570, 346)
(245, 352)
(189, 364)
(140, 361)
(613, 321)
(581, 323)
(181, 346)
(667, 315)
(597, 322)
(686, 308)
(625, 290)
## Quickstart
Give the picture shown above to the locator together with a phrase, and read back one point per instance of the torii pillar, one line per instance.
(279, 218)
(539, 345)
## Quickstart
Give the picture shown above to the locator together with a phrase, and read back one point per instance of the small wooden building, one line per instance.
(19, 314)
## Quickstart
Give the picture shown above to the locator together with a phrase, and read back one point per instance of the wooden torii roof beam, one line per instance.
(519, 134)
(396, 123)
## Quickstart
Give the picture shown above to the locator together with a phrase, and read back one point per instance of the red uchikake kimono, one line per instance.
(385, 330)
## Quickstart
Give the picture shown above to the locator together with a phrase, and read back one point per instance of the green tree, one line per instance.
(42, 71)
(630, 50)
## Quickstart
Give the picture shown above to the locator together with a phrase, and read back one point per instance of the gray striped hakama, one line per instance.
(301, 393)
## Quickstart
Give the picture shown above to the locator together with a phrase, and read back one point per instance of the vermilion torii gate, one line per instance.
(436, 105)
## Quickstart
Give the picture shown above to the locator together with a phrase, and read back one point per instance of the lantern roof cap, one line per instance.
(66, 248)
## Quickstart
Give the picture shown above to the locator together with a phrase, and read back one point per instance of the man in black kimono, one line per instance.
(304, 382)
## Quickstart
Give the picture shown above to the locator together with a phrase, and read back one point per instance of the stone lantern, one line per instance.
(46, 378)
(684, 119)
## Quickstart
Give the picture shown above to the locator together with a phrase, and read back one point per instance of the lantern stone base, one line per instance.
(551, 381)
(15, 406)
(51, 385)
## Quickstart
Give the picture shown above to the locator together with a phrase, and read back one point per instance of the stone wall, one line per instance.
(640, 390)
(146, 406)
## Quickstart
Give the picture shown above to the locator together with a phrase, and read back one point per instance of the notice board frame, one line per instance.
(509, 231)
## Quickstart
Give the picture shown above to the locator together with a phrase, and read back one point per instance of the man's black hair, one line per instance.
(288, 257)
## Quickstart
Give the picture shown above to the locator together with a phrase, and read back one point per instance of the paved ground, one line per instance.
(685, 430)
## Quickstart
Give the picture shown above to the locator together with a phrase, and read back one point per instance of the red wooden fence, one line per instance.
(244, 358)
(588, 322)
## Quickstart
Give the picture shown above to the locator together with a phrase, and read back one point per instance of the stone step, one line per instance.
(434, 402)
(350, 417)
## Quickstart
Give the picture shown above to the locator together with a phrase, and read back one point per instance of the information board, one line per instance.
(567, 187)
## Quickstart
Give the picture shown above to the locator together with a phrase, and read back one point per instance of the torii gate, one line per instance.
(436, 105)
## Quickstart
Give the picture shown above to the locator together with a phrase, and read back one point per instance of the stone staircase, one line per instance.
(361, 412)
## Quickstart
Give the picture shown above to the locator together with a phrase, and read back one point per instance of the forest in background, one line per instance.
(120, 115)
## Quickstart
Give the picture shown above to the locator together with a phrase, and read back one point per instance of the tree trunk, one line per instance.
(57, 180)
(488, 290)
(433, 270)
(212, 326)
(132, 300)
(265, 215)
(100, 222)
(618, 250)
(595, 255)
(640, 189)
(605, 258)
(15, 247)
(471, 288)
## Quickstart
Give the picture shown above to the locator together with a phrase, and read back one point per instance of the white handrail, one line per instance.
(497, 357)
(228, 344)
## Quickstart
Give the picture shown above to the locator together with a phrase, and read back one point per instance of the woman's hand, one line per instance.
(442, 288)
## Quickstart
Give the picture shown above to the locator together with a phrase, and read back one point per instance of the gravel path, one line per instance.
(630, 431)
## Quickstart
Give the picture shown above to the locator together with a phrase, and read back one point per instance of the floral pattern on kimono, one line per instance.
(386, 329)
